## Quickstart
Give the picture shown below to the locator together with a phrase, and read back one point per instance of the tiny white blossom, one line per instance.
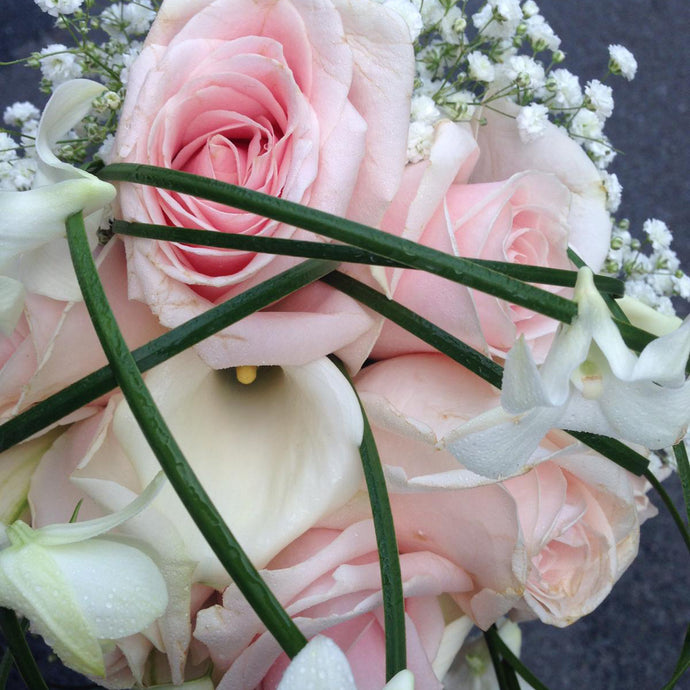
(526, 72)
(498, 18)
(658, 233)
(57, 7)
(460, 105)
(23, 173)
(59, 65)
(452, 26)
(541, 34)
(17, 114)
(531, 122)
(586, 124)
(566, 88)
(613, 191)
(8, 148)
(601, 152)
(419, 140)
(529, 8)
(640, 289)
(600, 98)
(431, 11)
(622, 61)
(480, 66)
(423, 109)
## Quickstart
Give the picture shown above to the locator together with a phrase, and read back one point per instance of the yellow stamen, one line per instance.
(246, 374)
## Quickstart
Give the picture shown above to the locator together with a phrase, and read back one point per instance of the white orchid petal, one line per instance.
(119, 589)
(32, 584)
(59, 534)
(320, 664)
(500, 445)
(68, 105)
(664, 359)
(522, 385)
(11, 303)
(36, 216)
(292, 438)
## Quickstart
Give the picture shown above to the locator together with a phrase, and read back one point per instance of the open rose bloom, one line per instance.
(310, 101)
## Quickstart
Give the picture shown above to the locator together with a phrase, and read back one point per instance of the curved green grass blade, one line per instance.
(342, 252)
(372, 240)
(19, 647)
(170, 457)
(98, 383)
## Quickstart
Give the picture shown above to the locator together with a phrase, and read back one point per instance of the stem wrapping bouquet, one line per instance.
(335, 297)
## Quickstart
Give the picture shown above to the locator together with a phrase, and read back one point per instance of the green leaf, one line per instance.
(98, 383)
(389, 559)
(163, 444)
(407, 253)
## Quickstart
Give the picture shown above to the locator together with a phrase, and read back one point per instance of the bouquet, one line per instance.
(326, 358)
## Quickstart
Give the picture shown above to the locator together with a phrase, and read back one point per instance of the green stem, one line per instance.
(389, 559)
(681, 453)
(19, 647)
(163, 444)
(683, 663)
(343, 253)
(515, 663)
(98, 383)
(408, 253)
(505, 675)
(471, 359)
(670, 506)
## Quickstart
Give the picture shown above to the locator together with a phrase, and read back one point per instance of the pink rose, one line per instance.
(307, 101)
(54, 343)
(469, 201)
(329, 580)
(580, 517)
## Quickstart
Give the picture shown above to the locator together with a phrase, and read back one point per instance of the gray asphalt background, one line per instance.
(633, 639)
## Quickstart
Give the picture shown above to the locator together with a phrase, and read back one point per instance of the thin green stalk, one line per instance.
(5, 668)
(389, 559)
(343, 253)
(681, 454)
(471, 359)
(98, 383)
(505, 673)
(670, 506)
(170, 457)
(406, 252)
(23, 658)
(515, 663)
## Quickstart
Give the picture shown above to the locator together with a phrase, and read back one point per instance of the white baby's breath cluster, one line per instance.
(468, 56)
(653, 277)
(82, 55)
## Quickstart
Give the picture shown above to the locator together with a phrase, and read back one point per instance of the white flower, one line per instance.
(423, 109)
(622, 61)
(59, 65)
(541, 34)
(419, 140)
(614, 191)
(587, 125)
(322, 665)
(78, 590)
(590, 381)
(526, 71)
(17, 114)
(658, 233)
(530, 8)
(498, 18)
(32, 224)
(480, 66)
(599, 98)
(566, 88)
(57, 7)
(531, 122)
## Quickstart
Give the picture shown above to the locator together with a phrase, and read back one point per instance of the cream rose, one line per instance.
(306, 101)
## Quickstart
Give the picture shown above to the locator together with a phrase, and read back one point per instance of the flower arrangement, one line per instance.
(309, 235)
